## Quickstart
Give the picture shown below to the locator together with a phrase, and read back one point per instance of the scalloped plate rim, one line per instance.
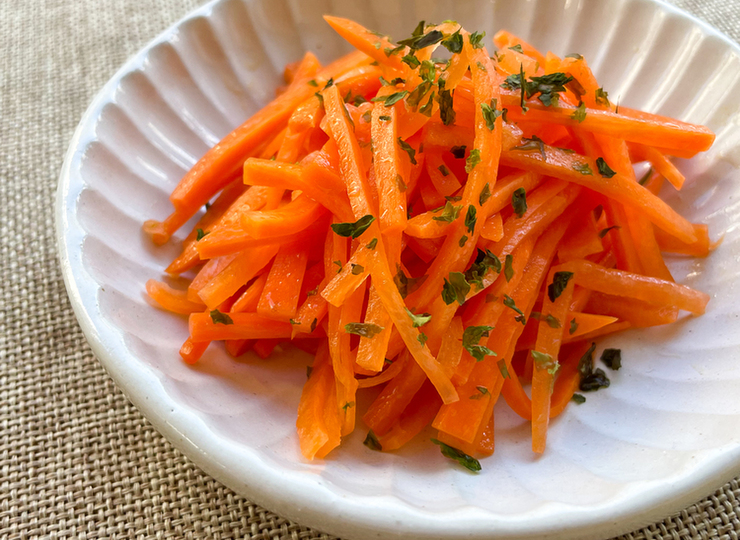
(185, 430)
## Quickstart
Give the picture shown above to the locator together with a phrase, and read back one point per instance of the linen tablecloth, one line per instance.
(77, 460)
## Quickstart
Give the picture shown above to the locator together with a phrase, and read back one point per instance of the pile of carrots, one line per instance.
(452, 229)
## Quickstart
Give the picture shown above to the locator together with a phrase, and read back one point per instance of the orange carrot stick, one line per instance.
(366, 41)
(389, 176)
(545, 357)
(350, 164)
(393, 369)
(569, 377)
(566, 166)
(192, 351)
(279, 300)
(505, 39)
(207, 272)
(603, 331)
(314, 308)
(576, 325)
(371, 352)
(417, 415)
(425, 226)
(659, 162)
(346, 383)
(243, 326)
(638, 313)
(295, 216)
(251, 199)
(701, 248)
(445, 181)
(493, 228)
(654, 291)
(172, 299)
(313, 178)
(249, 299)
(314, 432)
(395, 397)
(243, 268)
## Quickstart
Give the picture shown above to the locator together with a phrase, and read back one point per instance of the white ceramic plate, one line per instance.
(667, 431)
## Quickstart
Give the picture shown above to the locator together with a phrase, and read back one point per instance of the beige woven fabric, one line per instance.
(77, 460)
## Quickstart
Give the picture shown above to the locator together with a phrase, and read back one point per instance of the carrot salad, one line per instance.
(456, 231)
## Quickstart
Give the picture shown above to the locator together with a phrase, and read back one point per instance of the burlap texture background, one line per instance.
(77, 460)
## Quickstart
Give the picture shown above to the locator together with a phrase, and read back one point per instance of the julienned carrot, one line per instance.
(584, 171)
(493, 228)
(451, 348)
(389, 176)
(295, 216)
(701, 248)
(433, 267)
(659, 162)
(581, 240)
(191, 351)
(544, 205)
(314, 308)
(206, 273)
(265, 347)
(430, 197)
(603, 331)
(306, 117)
(237, 347)
(399, 314)
(426, 226)
(652, 130)
(579, 324)
(316, 183)
(279, 299)
(487, 143)
(669, 136)
(392, 369)
(249, 299)
(346, 381)
(504, 39)
(568, 376)
(229, 241)
(208, 327)
(171, 299)
(318, 419)
(395, 397)
(576, 325)
(366, 41)
(251, 199)
(444, 180)
(482, 446)
(417, 415)
(639, 313)
(545, 355)
(239, 271)
(371, 352)
(350, 163)
(651, 290)
(213, 215)
(350, 275)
